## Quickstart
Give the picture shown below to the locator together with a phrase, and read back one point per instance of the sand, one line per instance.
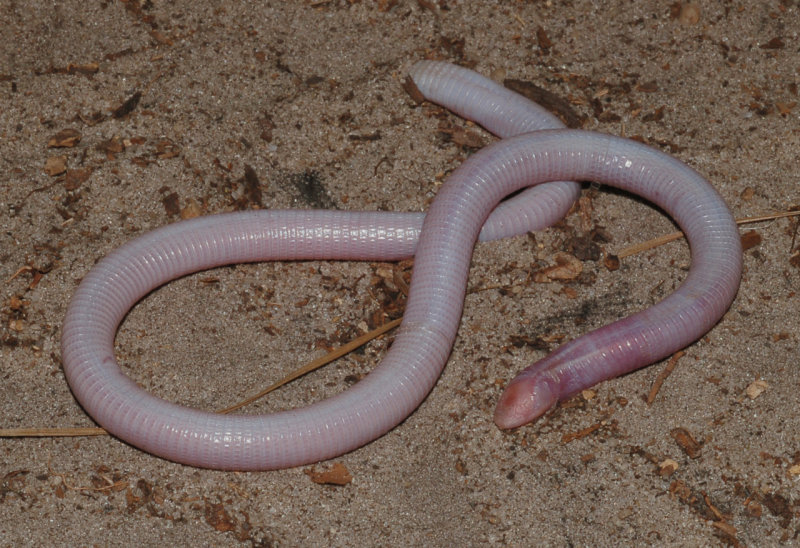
(206, 107)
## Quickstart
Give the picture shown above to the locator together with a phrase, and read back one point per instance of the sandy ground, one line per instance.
(173, 103)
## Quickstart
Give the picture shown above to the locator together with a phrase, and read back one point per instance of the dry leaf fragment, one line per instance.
(76, 177)
(64, 139)
(780, 507)
(413, 91)
(467, 138)
(128, 106)
(794, 470)
(750, 239)
(252, 187)
(167, 149)
(756, 388)
(171, 203)
(611, 261)
(111, 146)
(463, 137)
(775, 43)
(567, 267)
(55, 165)
(543, 40)
(754, 509)
(219, 518)
(583, 247)
(335, 475)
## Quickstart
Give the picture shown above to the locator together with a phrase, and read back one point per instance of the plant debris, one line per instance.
(66, 138)
(128, 106)
(337, 474)
(686, 442)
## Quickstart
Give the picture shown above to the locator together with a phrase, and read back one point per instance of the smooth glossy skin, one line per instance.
(422, 346)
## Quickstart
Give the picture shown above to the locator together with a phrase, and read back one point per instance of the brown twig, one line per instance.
(673, 361)
(661, 240)
(316, 364)
(50, 432)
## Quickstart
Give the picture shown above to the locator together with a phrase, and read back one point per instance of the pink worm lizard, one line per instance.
(442, 248)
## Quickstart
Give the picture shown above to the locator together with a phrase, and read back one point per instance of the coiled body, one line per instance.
(442, 250)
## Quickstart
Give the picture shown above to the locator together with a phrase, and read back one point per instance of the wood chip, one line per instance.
(167, 149)
(686, 442)
(86, 68)
(726, 528)
(667, 467)
(647, 87)
(55, 165)
(713, 508)
(337, 474)
(65, 138)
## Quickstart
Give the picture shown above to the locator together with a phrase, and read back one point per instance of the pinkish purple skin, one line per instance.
(442, 248)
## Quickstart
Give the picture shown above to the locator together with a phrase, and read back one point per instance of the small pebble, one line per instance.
(755, 389)
(689, 14)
